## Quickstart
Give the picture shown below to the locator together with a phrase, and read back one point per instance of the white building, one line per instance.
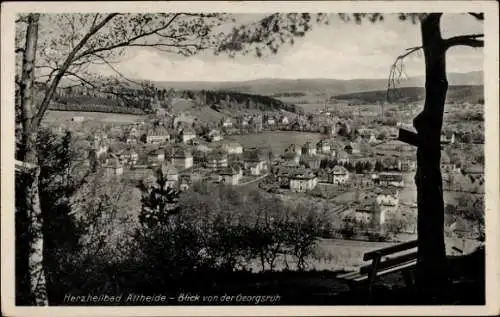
(232, 148)
(338, 175)
(303, 182)
(308, 149)
(227, 123)
(391, 179)
(323, 147)
(171, 175)
(187, 134)
(182, 159)
(157, 136)
(230, 176)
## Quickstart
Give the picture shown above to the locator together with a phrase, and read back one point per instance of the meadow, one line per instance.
(54, 116)
(278, 141)
(340, 254)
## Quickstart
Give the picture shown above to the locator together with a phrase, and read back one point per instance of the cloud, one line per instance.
(342, 50)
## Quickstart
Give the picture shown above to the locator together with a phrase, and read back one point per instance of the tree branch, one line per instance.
(466, 40)
(50, 91)
(115, 70)
(127, 42)
(397, 70)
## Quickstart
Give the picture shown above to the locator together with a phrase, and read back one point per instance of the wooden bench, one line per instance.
(397, 258)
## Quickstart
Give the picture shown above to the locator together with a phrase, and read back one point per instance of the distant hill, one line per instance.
(276, 86)
(221, 101)
(471, 94)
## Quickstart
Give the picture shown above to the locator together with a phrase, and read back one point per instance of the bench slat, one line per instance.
(388, 270)
(348, 276)
(390, 262)
(390, 250)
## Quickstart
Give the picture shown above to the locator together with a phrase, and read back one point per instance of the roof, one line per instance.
(342, 154)
(308, 145)
(303, 175)
(158, 132)
(231, 144)
(216, 155)
(228, 171)
(391, 177)
(181, 153)
(339, 170)
(169, 169)
(323, 142)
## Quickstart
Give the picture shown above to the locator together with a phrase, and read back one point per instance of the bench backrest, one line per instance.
(390, 250)
(404, 258)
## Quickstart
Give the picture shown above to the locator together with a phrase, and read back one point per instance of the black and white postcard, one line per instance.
(250, 158)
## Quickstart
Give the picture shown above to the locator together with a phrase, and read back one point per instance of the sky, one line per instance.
(339, 50)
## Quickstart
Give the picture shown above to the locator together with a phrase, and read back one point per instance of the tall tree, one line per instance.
(270, 33)
(59, 50)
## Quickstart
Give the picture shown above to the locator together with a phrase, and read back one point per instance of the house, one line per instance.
(184, 184)
(330, 129)
(301, 182)
(283, 175)
(171, 175)
(352, 148)
(291, 158)
(156, 156)
(448, 137)
(270, 121)
(369, 214)
(216, 160)
(100, 149)
(214, 135)
(243, 121)
(308, 149)
(446, 165)
(230, 175)
(187, 134)
(406, 165)
(232, 148)
(293, 149)
(112, 166)
(182, 158)
(255, 166)
(311, 161)
(157, 135)
(256, 122)
(77, 119)
(323, 147)
(133, 131)
(365, 133)
(391, 179)
(387, 197)
(227, 123)
(128, 156)
(284, 120)
(100, 137)
(342, 157)
(131, 139)
(338, 175)
(372, 139)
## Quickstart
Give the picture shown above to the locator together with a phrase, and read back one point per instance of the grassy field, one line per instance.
(275, 140)
(53, 116)
(339, 254)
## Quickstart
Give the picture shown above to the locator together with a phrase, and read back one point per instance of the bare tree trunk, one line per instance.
(27, 153)
(431, 269)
